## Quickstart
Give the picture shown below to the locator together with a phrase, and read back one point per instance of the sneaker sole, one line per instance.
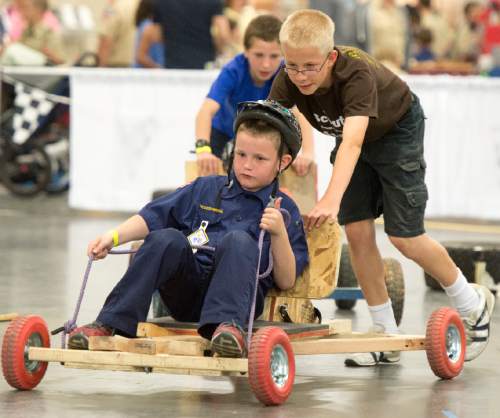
(490, 305)
(78, 342)
(225, 346)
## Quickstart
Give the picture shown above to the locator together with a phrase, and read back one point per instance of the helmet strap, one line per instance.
(276, 182)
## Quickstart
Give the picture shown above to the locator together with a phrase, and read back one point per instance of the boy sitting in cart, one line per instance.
(214, 288)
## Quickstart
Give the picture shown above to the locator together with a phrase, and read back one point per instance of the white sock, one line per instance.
(463, 296)
(384, 315)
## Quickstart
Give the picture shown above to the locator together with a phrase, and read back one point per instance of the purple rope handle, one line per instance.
(71, 324)
(261, 276)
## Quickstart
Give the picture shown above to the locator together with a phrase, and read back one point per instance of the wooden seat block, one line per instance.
(319, 278)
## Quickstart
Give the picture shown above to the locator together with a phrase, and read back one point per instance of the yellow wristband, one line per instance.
(203, 149)
(116, 240)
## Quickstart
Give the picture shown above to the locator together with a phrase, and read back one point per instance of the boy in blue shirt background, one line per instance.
(246, 77)
(213, 288)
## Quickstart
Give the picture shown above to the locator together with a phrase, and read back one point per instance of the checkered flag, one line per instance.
(32, 106)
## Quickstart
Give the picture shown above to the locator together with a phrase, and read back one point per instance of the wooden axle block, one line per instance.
(360, 343)
(118, 368)
(8, 317)
(162, 361)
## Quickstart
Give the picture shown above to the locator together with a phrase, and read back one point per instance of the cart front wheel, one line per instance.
(24, 332)
(271, 366)
(445, 343)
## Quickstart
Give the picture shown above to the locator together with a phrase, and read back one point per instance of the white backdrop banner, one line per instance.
(132, 130)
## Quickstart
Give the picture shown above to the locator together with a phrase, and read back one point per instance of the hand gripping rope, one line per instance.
(70, 325)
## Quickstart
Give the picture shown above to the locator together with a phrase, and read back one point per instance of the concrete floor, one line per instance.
(42, 260)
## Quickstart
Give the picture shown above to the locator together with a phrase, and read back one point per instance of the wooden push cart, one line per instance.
(165, 346)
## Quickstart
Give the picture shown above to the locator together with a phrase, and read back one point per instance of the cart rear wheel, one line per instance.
(271, 366)
(394, 280)
(465, 253)
(445, 343)
(347, 278)
(24, 332)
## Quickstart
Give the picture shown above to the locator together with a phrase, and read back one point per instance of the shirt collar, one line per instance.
(234, 189)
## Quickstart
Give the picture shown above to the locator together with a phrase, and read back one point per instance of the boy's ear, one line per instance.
(333, 57)
(285, 161)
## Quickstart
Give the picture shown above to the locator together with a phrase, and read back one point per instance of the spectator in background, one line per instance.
(442, 33)
(116, 33)
(14, 23)
(423, 50)
(389, 28)
(187, 27)
(39, 44)
(149, 50)
(468, 40)
(495, 69)
(491, 22)
(267, 7)
(350, 20)
(239, 14)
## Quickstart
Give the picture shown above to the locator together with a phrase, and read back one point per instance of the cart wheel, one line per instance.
(22, 333)
(271, 366)
(27, 173)
(465, 253)
(431, 283)
(346, 278)
(445, 343)
(394, 280)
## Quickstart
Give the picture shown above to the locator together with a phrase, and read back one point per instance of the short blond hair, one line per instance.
(308, 28)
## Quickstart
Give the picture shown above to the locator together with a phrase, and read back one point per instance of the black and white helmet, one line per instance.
(277, 116)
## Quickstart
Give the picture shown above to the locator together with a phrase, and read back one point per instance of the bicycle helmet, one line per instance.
(277, 116)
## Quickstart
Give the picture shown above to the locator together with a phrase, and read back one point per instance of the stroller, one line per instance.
(34, 136)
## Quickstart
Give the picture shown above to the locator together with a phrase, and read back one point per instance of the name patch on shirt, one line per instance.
(211, 209)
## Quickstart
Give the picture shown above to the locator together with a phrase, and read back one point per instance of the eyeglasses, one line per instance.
(308, 71)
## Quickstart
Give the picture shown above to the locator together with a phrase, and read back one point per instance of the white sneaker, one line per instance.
(373, 358)
(477, 324)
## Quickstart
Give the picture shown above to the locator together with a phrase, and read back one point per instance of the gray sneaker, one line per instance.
(373, 358)
(477, 324)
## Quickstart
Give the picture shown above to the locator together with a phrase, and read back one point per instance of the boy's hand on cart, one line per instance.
(302, 164)
(272, 219)
(323, 211)
(100, 247)
(208, 164)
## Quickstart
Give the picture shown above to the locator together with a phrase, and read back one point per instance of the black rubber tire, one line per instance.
(465, 254)
(394, 280)
(431, 283)
(26, 174)
(347, 278)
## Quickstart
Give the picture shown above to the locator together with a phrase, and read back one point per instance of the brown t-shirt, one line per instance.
(361, 87)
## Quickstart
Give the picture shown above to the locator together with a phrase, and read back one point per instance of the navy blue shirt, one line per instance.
(239, 209)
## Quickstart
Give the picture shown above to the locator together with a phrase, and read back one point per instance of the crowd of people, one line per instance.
(414, 36)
